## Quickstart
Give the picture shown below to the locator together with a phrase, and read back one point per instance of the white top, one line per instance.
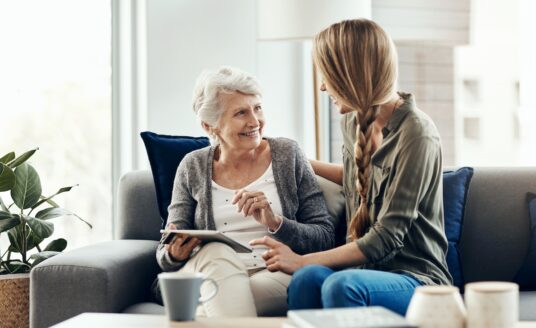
(245, 228)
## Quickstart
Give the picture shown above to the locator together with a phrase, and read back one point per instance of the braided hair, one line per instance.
(358, 61)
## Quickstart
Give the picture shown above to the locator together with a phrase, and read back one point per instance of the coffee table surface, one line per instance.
(114, 320)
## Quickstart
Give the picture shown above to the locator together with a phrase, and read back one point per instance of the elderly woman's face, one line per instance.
(242, 121)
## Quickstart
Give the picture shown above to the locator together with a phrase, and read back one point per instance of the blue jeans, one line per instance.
(316, 287)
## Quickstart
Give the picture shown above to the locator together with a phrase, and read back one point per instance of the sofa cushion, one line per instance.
(165, 154)
(526, 276)
(336, 205)
(455, 185)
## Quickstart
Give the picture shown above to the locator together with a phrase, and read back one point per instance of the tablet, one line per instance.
(206, 236)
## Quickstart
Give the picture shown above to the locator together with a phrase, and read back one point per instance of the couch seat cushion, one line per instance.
(526, 276)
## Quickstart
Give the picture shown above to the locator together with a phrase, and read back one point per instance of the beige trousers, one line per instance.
(240, 293)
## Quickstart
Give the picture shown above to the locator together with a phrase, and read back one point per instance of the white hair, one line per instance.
(209, 85)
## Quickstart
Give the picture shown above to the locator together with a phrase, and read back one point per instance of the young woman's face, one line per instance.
(242, 121)
(325, 87)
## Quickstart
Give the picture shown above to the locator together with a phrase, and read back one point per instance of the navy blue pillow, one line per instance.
(526, 276)
(165, 154)
(455, 185)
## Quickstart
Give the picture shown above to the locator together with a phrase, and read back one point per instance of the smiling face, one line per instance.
(242, 121)
(342, 109)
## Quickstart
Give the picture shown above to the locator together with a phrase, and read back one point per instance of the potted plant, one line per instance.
(25, 216)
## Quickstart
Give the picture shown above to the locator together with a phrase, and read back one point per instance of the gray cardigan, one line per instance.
(307, 226)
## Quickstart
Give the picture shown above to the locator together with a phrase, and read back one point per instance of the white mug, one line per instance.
(492, 304)
(436, 306)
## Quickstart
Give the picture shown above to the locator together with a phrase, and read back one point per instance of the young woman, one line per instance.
(391, 177)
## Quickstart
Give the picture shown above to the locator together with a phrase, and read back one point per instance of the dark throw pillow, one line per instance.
(455, 186)
(526, 276)
(165, 154)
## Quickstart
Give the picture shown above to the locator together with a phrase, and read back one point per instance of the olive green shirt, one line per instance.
(405, 197)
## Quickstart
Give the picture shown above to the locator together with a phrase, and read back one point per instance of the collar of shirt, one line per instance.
(399, 113)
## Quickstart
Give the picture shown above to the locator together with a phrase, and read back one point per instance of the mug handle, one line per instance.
(211, 296)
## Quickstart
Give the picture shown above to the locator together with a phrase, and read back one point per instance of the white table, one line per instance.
(115, 320)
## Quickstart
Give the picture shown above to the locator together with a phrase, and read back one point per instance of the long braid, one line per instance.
(358, 63)
(362, 156)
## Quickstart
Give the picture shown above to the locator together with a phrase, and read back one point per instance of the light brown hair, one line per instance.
(358, 61)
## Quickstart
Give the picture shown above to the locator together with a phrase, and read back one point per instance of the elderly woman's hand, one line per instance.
(256, 204)
(181, 246)
(279, 257)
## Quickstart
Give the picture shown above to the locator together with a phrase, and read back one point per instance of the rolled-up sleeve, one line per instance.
(418, 161)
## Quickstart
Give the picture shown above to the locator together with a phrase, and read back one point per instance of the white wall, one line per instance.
(288, 93)
(426, 33)
(183, 38)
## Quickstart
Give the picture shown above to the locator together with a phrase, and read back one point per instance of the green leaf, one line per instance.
(27, 189)
(57, 245)
(7, 158)
(17, 266)
(21, 159)
(41, 228)
(5, 215)
(7, 178)
(48, 199)
(5, 225)
(54, 212)
(32, 240)
(3, 206)
(40, 257)
(79, 218)
(51, 213)
(14, 236)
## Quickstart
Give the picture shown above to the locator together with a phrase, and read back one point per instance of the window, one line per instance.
(491, 74)
(55, 94)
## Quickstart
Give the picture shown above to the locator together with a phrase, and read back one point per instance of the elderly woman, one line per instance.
(247, 186)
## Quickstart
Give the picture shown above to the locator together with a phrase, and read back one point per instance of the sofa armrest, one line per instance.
(104, 277)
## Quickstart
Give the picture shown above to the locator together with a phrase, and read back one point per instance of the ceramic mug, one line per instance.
(180, 293)
(492, 304)
(436, 306)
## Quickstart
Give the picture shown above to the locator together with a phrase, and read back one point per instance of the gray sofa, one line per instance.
(115, 276)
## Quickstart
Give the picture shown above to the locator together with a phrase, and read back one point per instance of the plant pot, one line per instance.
(14, 300)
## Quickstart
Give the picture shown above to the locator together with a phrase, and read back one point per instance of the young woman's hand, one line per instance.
(279, 257)
(256, 204)
(181, 246)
